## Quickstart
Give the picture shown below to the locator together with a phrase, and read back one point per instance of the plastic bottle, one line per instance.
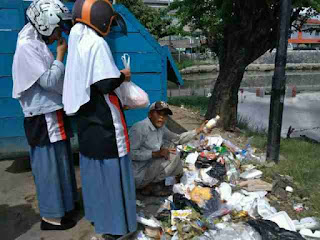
(211, 123)
(202, 141)
(233, 148)
(233, 174)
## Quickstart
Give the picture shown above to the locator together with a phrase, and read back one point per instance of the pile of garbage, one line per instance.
(221, 196)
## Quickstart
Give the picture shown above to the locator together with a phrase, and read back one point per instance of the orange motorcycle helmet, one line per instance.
(99, 15)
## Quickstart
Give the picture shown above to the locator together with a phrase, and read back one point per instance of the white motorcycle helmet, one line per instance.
(47, 15)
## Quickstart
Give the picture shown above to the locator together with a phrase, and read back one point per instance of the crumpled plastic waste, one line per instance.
(175, 236)
(246, 201)
(223, 210)
(208, 155)
(192, 158)
(233, 148)
(206, 179)
(225, 191)
(200, 195)
(142, 236)
(189, 177)
(232, 232)
(166, 205)
(236, 201)
(282, 220)
(251, 174)
(217, 141)
(271, 231)
(183, 189)
(264, 209)
(152, 222)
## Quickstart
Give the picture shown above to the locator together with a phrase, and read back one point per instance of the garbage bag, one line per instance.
(180, 202)
(212, 205)
(218, 171)
(203, 162)
(271, 231)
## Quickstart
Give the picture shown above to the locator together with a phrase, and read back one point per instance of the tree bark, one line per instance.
(224, 99)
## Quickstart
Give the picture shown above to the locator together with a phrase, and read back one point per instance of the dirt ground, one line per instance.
(190, 119)
(19, 214)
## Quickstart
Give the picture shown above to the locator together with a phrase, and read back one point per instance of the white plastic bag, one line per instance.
(130, 95)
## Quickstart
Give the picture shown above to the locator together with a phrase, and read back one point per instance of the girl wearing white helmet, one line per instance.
(90, 80)
(37, 84)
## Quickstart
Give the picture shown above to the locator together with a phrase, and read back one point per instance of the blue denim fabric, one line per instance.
(54, 177)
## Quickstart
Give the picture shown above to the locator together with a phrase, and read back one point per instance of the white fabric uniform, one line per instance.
(94, 62)
(35, 58)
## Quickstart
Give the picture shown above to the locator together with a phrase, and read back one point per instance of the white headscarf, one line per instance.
(89, 61)
(31, 59)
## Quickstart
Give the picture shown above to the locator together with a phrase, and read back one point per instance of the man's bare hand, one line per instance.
(200, 129)
(162, 153)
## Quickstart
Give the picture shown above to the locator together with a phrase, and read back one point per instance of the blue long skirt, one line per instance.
(109, 194)
(54, 177)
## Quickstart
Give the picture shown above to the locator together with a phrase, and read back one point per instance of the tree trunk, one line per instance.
(252, 32)
(224, 99)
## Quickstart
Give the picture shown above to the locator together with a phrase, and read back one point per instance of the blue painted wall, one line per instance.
(149, 67)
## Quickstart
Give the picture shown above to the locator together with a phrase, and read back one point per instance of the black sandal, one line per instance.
(66, 223)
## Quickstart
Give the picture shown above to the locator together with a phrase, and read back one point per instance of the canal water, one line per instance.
(251, 79)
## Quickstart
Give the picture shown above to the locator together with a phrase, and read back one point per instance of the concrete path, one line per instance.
(19, 215)
(301, 112)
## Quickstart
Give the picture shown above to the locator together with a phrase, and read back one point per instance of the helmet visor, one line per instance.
(118, 26)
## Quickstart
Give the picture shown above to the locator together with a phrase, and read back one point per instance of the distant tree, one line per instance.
(157, 21)
(239, 32)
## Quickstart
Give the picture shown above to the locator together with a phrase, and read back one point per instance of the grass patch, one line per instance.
(188, 63)
(197, 103)
(185, 64)
(301, 159)
(302, 163)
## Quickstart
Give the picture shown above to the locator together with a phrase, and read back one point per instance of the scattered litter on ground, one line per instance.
(222, 195)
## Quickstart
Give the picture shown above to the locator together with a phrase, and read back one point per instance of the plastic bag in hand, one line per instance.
(132, 96)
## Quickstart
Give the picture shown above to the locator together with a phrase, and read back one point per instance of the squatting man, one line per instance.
(152, 150)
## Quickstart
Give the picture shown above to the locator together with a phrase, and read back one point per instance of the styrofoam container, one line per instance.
(308, 233)
(308, 222)
(283, 221)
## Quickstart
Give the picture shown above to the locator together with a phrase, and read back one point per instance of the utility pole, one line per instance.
(279, 84)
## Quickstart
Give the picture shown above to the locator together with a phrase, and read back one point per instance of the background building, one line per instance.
(305, 39)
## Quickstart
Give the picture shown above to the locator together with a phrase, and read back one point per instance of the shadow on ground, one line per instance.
(16, 220)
